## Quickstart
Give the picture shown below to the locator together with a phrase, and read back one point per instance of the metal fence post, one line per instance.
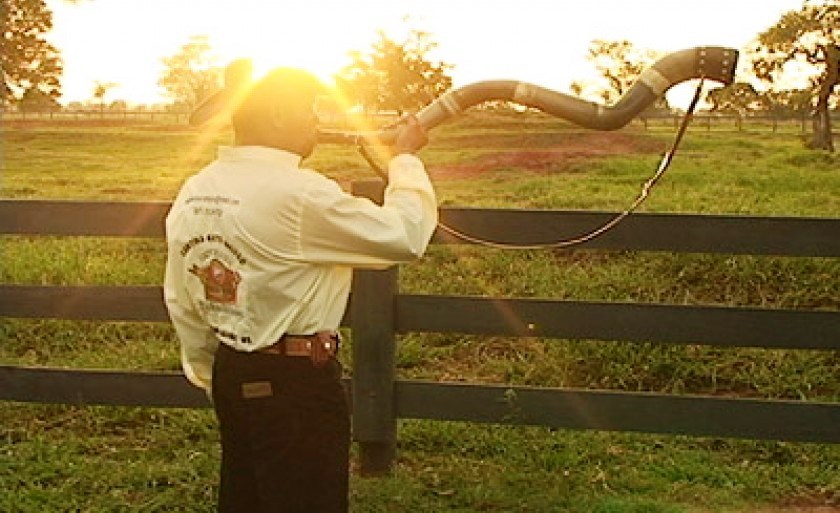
(374, 350)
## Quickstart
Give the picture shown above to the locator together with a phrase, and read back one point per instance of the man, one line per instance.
(260, 254)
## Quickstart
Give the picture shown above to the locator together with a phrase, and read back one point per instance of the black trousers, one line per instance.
(285, 434)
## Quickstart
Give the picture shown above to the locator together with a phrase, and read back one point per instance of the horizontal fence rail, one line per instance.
(760, 121)
(640, 322)
(637, 322)
(516, 405)
(752, 235)
(142, 303)
(782, 236)
(99, 387)
(620, 411)
(83, 218)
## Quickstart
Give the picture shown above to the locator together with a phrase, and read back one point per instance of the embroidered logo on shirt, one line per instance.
(220, 282)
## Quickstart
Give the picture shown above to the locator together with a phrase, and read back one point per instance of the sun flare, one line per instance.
(319, 38)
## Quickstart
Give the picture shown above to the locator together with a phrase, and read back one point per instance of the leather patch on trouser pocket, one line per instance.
(257, 390)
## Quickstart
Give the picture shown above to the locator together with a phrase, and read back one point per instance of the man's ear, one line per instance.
(279, 116)
(289, 117)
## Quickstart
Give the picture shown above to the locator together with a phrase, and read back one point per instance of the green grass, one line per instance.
(62, 458)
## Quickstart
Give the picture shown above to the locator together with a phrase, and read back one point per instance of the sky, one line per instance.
(544, 42)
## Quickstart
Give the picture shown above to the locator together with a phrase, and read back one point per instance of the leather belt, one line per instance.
(319, 347)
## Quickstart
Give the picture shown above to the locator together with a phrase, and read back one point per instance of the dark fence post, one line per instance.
(374, 349)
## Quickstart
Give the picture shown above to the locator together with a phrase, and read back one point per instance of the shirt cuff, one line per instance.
(406, 170)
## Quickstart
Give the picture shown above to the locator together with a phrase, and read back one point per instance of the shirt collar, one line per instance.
(264, 154)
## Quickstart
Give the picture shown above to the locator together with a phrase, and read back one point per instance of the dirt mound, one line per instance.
(565, 151)
(800, 509)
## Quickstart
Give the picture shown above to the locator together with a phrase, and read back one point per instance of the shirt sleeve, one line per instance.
(198, 343)
(340, 229)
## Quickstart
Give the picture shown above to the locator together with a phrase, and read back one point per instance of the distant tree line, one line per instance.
(394, 76)
(399, 76)
(743, 99)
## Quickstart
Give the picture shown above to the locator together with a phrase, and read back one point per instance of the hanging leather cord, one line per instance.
(363, 151)
(664, 164)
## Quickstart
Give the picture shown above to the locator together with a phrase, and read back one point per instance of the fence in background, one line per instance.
(127, 117)
(733, 122)
(702, 121)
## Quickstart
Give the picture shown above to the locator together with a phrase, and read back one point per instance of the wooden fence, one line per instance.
(378, 312)
(707, 121)
(121, 116)
(702, 121)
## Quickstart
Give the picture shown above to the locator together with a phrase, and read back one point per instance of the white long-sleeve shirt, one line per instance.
(259, 247)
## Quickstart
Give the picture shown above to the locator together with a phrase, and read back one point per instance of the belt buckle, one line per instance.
(303, 345)
(296, 346)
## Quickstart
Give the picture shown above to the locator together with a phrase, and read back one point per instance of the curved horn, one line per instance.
(710, 62)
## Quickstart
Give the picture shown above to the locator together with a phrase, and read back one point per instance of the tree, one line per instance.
(118, 105)
(739, 98)
(191, 74)
(27, 61)
(621, 64)
(810, 35)
(395, 76)
(787, 102)
(34, 99)
(100, 90)
(590, 91)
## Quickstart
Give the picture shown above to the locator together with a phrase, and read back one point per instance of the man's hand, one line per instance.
(410, 137)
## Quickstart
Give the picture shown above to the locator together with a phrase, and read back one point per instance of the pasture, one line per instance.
(60, 458)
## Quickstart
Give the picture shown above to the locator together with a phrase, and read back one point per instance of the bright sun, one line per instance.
(316, 36)
(319, 39)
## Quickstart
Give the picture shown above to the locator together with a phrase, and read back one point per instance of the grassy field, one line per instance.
(59, 458)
